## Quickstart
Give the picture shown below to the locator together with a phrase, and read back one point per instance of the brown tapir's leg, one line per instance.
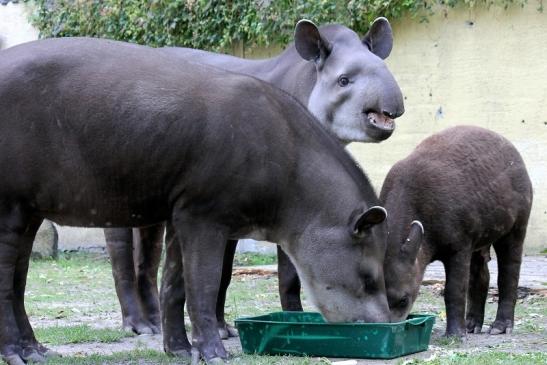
(172, 298)
(119, 244)
(148, 244)
(509, 256)
(224, 329)
(479, 280)
(457, 279)
(289, 283)
(203, 247)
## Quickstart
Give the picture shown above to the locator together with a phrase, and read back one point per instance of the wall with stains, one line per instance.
(480, 67)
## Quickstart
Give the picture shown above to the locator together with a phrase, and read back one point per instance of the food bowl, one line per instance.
(307, 334)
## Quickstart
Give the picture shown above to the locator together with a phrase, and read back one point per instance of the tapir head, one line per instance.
(341, 269)
(355, 95)
(401, 268)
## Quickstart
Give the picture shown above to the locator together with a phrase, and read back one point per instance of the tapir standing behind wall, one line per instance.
(149, 141)
(470, 190)
(343, 81)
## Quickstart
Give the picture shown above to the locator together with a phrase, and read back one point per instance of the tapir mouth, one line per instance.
(378, 126)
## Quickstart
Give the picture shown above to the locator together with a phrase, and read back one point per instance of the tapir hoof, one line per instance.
(500, 327)
(473, 326)
(31, 355)
(140, 328)
(227, 331)
(184, 354)
(13, 360)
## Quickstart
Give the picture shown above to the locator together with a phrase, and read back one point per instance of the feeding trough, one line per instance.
(307, 334)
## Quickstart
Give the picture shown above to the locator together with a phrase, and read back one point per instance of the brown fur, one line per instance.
(469, 188)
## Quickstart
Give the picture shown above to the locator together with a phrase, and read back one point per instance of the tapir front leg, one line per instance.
(33, 351)
(17, 231)
(203, 247)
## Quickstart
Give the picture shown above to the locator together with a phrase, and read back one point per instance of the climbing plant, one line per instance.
(216, 25)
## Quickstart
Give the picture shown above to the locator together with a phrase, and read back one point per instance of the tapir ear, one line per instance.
(412, 243)
(367, 219)
(379, 38)
(309, 43)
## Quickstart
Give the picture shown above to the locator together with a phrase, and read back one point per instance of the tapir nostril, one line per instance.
(389, 114)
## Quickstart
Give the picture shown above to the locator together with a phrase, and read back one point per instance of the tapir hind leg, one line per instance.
(479, 280)
(119, 244)
(509, 255)
(203, 247)
(172, 299)
(148, 244)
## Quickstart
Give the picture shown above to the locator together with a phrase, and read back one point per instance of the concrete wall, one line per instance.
(480, 67)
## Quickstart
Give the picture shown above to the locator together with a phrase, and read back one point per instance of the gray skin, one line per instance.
(313, 71)
(150, 141)
(469, 188)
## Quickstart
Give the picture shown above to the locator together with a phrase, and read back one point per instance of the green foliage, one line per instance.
(218, 25)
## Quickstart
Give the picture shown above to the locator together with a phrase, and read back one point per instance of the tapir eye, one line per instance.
(403, 302)
(343, 81)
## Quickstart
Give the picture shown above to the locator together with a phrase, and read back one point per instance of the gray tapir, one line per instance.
(343, 81)
(468, 189)
(90, 139)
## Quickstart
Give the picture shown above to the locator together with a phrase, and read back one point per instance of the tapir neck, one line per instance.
(288, 71)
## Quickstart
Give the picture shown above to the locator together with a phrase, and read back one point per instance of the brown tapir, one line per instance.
(90, 139)
(469, 188)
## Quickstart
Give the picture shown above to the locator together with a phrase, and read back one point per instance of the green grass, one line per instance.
(59, 335)
(253, 259)
(140, 357)
(487, 358)
(149, 357)
(72, 296)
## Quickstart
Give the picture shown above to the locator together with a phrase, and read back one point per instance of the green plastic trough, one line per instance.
(307, 334)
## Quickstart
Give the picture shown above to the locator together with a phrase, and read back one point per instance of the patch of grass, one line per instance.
(486, 358)
(253, 259)
(448, 341)
(58, 335)
(152, 357)
(141, 357)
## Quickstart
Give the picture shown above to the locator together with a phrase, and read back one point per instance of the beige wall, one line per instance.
(492, 73)
(480, 67)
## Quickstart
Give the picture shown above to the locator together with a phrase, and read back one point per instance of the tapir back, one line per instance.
(475, 177)
(80, 105)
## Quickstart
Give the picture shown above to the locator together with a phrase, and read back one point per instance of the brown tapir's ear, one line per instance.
(412, 243)
(379, 38)
(309, 43)
(368, 218)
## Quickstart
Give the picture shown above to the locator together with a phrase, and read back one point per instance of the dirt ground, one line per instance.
(530, 333)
